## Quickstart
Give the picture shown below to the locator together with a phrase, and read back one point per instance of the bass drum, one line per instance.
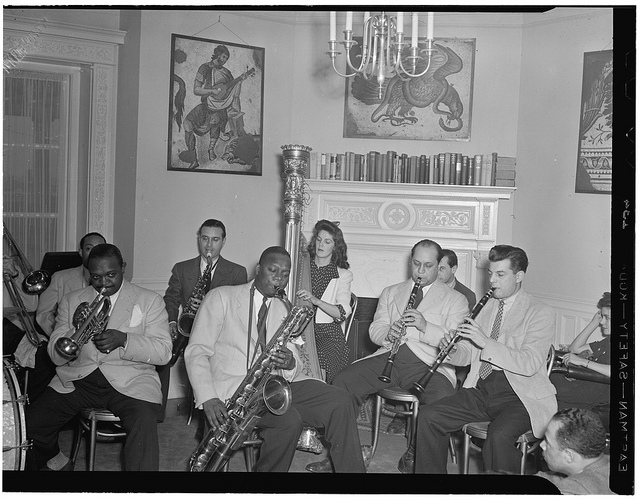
(14, 428)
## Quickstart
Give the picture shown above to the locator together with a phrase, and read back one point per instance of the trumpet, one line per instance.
(35, 282)
(89, 320)
(386, 372)
(444, 352)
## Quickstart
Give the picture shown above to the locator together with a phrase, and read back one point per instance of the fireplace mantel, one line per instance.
(382, 221)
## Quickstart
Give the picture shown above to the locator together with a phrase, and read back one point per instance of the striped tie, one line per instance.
(485, 368)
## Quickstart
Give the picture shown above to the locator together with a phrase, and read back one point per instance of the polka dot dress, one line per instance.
(330, 342)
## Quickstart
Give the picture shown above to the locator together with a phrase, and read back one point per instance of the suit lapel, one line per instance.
(121, 312)
(516, 311)
(243, 301)
(219, 273)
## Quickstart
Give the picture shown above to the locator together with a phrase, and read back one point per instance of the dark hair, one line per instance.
(428, 243)
(213, 223)
(88, 235)
(580, 430)
(105, 250)
(339, 256)
(221, 49)
(605, 301)
(273, 251)
(517, 257)
(451, 256)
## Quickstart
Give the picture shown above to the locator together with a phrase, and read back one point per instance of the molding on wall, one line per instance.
(39, 39)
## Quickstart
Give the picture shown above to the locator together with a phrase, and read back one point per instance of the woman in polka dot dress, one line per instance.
(330, 295)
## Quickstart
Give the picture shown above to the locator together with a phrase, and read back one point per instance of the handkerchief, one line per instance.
(136, 316)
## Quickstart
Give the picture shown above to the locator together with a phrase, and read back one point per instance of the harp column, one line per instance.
(296, 162)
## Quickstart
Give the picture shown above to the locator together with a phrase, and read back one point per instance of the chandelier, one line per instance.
(383, 51)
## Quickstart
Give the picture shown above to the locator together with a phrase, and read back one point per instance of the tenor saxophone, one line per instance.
(258, 393)
(188, 315)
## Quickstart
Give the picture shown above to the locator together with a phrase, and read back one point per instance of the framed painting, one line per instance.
(215, 106)
(432, 107)
(595, 143)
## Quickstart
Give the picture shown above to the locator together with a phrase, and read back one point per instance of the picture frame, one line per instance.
(443, 98)
(594, 167)
(216, 102)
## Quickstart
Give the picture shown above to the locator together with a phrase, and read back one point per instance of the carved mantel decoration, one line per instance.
(382, 221)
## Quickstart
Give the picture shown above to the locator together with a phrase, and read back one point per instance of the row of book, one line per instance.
(442, 168)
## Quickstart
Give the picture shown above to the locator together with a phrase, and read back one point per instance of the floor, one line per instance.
(178, 441)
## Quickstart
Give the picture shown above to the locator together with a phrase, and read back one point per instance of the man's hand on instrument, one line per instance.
(394, 332)
(471, 330)
(412, 317)
(283, 358)
(109, 340)
(215, 411)
(446, 340)
(9, 267)
(173, 327)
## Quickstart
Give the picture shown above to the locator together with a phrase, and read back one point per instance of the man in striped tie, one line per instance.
(507, 346)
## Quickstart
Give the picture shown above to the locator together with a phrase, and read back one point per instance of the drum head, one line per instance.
(13, 420)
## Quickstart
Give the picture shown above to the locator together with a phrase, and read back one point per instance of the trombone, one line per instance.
(35, 282)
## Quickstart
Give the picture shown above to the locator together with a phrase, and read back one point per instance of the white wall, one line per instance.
(566, 234)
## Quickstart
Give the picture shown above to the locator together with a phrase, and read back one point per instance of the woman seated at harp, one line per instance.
(585, 392)
(330, 295)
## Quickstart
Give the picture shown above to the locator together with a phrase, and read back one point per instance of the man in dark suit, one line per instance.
(114, 370)
(447, 274)
(211, 237)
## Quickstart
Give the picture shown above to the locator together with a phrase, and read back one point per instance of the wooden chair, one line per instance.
(527, 442)
(88, 420)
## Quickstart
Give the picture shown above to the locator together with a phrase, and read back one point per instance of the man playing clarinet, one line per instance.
(435, 309)
(507, 346)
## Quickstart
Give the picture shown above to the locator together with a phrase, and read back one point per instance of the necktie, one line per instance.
(485, 368)
(418, 298)
(262, 324)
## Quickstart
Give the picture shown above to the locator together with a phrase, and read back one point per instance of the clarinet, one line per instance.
(444, 352)
(385, 377)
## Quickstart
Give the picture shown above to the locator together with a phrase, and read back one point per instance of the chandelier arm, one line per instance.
(413, 75)
(333, 62)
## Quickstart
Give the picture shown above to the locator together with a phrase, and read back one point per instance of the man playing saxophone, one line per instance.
(186, 276)
(115, 369)
(225, 341)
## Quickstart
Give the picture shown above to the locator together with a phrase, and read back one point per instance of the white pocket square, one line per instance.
(136, 316)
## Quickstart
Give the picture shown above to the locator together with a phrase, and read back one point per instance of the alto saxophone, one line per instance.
(89, 320)
(188, 315)
(259, 392)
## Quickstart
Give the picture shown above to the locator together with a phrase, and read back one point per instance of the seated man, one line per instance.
(573, 447)
(447, 274)
(114, 370)
(438, 309)
(226, 339)
(596, 356)
(507, 382)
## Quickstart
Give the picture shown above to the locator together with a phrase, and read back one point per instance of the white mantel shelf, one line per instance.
(381, 222)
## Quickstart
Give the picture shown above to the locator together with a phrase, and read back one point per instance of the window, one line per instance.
(39, 163)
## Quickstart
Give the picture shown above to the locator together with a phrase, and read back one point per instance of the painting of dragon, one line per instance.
(434, 106)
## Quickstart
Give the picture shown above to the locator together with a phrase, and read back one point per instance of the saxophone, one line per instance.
(258, 392)
(188, 315)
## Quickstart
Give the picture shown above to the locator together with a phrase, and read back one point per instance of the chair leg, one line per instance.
(412, 425)
(248, 458)
(375, 428)
(77, 439)
(452, 450)
(192, 406)
(92, 444)
(523, 461)
(465, 453)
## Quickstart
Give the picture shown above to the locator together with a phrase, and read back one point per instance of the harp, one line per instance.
(296, 163)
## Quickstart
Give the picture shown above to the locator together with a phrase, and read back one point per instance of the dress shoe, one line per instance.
(397, 425)
(322, 466)
(406, 464)
(66, 468)
(366, 454)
